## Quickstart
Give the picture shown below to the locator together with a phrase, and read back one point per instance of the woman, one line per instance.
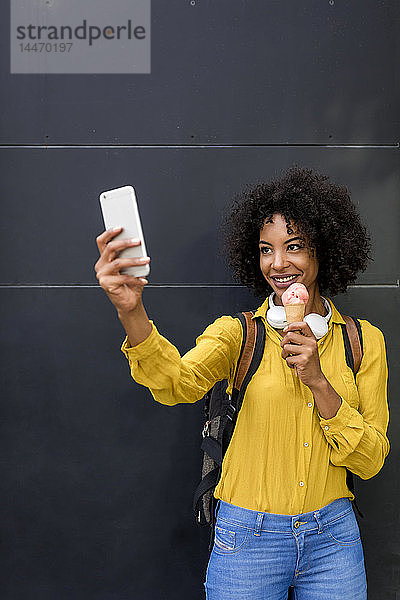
(284, 515)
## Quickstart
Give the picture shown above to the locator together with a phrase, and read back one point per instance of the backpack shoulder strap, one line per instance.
(353, 342)
(251, 352)
(248, 363)
(248, 346)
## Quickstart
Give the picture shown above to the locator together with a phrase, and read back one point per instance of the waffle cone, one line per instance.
(295, 312)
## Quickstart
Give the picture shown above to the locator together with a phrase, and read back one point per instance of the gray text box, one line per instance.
(71, 36)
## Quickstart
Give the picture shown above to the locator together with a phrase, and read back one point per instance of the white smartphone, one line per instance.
(119, 208)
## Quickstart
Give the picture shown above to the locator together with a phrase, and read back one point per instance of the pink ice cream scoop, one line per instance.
(295, 294)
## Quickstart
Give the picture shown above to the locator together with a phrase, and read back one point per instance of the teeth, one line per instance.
(284, 279)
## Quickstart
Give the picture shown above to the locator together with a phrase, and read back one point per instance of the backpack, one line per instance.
(221, 409)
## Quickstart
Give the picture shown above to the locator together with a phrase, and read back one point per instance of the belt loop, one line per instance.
(217, 509)
(259, 523)
(320, 525)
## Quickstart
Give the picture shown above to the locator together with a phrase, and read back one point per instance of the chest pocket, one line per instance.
(351, 389)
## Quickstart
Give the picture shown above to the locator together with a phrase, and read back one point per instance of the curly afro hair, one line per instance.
(320, 210)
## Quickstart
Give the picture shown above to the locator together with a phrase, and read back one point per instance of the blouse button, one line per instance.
(309, 404)
(326, 427)
(305, 444)
(301, 483)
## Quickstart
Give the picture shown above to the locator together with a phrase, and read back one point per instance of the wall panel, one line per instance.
(226, 72)
(50, 212)
(97, 478)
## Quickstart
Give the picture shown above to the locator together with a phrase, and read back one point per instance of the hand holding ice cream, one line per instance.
(294, 299)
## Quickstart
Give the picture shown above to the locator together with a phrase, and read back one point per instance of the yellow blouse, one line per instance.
(283, 457)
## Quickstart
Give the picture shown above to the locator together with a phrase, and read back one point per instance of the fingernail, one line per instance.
(134, 240)
(115, 228)
(286, 328)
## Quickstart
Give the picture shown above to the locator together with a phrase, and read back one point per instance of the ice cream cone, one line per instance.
(295, 312)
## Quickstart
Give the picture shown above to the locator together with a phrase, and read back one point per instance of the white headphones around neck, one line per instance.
(318, 324)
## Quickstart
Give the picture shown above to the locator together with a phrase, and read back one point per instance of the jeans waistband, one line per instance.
(273, 522)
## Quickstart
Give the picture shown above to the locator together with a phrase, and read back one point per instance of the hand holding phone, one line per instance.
(119, 208)
(122, 221)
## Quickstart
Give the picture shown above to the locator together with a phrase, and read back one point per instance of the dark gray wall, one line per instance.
(97, 478)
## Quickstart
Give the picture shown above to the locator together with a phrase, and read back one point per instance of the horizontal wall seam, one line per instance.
(177, 286)
(394, 145)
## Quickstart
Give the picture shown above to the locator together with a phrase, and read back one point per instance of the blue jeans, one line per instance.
(258, 555)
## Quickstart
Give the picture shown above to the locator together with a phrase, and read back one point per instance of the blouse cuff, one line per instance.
(145, 348)
(346, 416)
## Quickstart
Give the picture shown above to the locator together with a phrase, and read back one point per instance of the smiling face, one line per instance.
(286, 258)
